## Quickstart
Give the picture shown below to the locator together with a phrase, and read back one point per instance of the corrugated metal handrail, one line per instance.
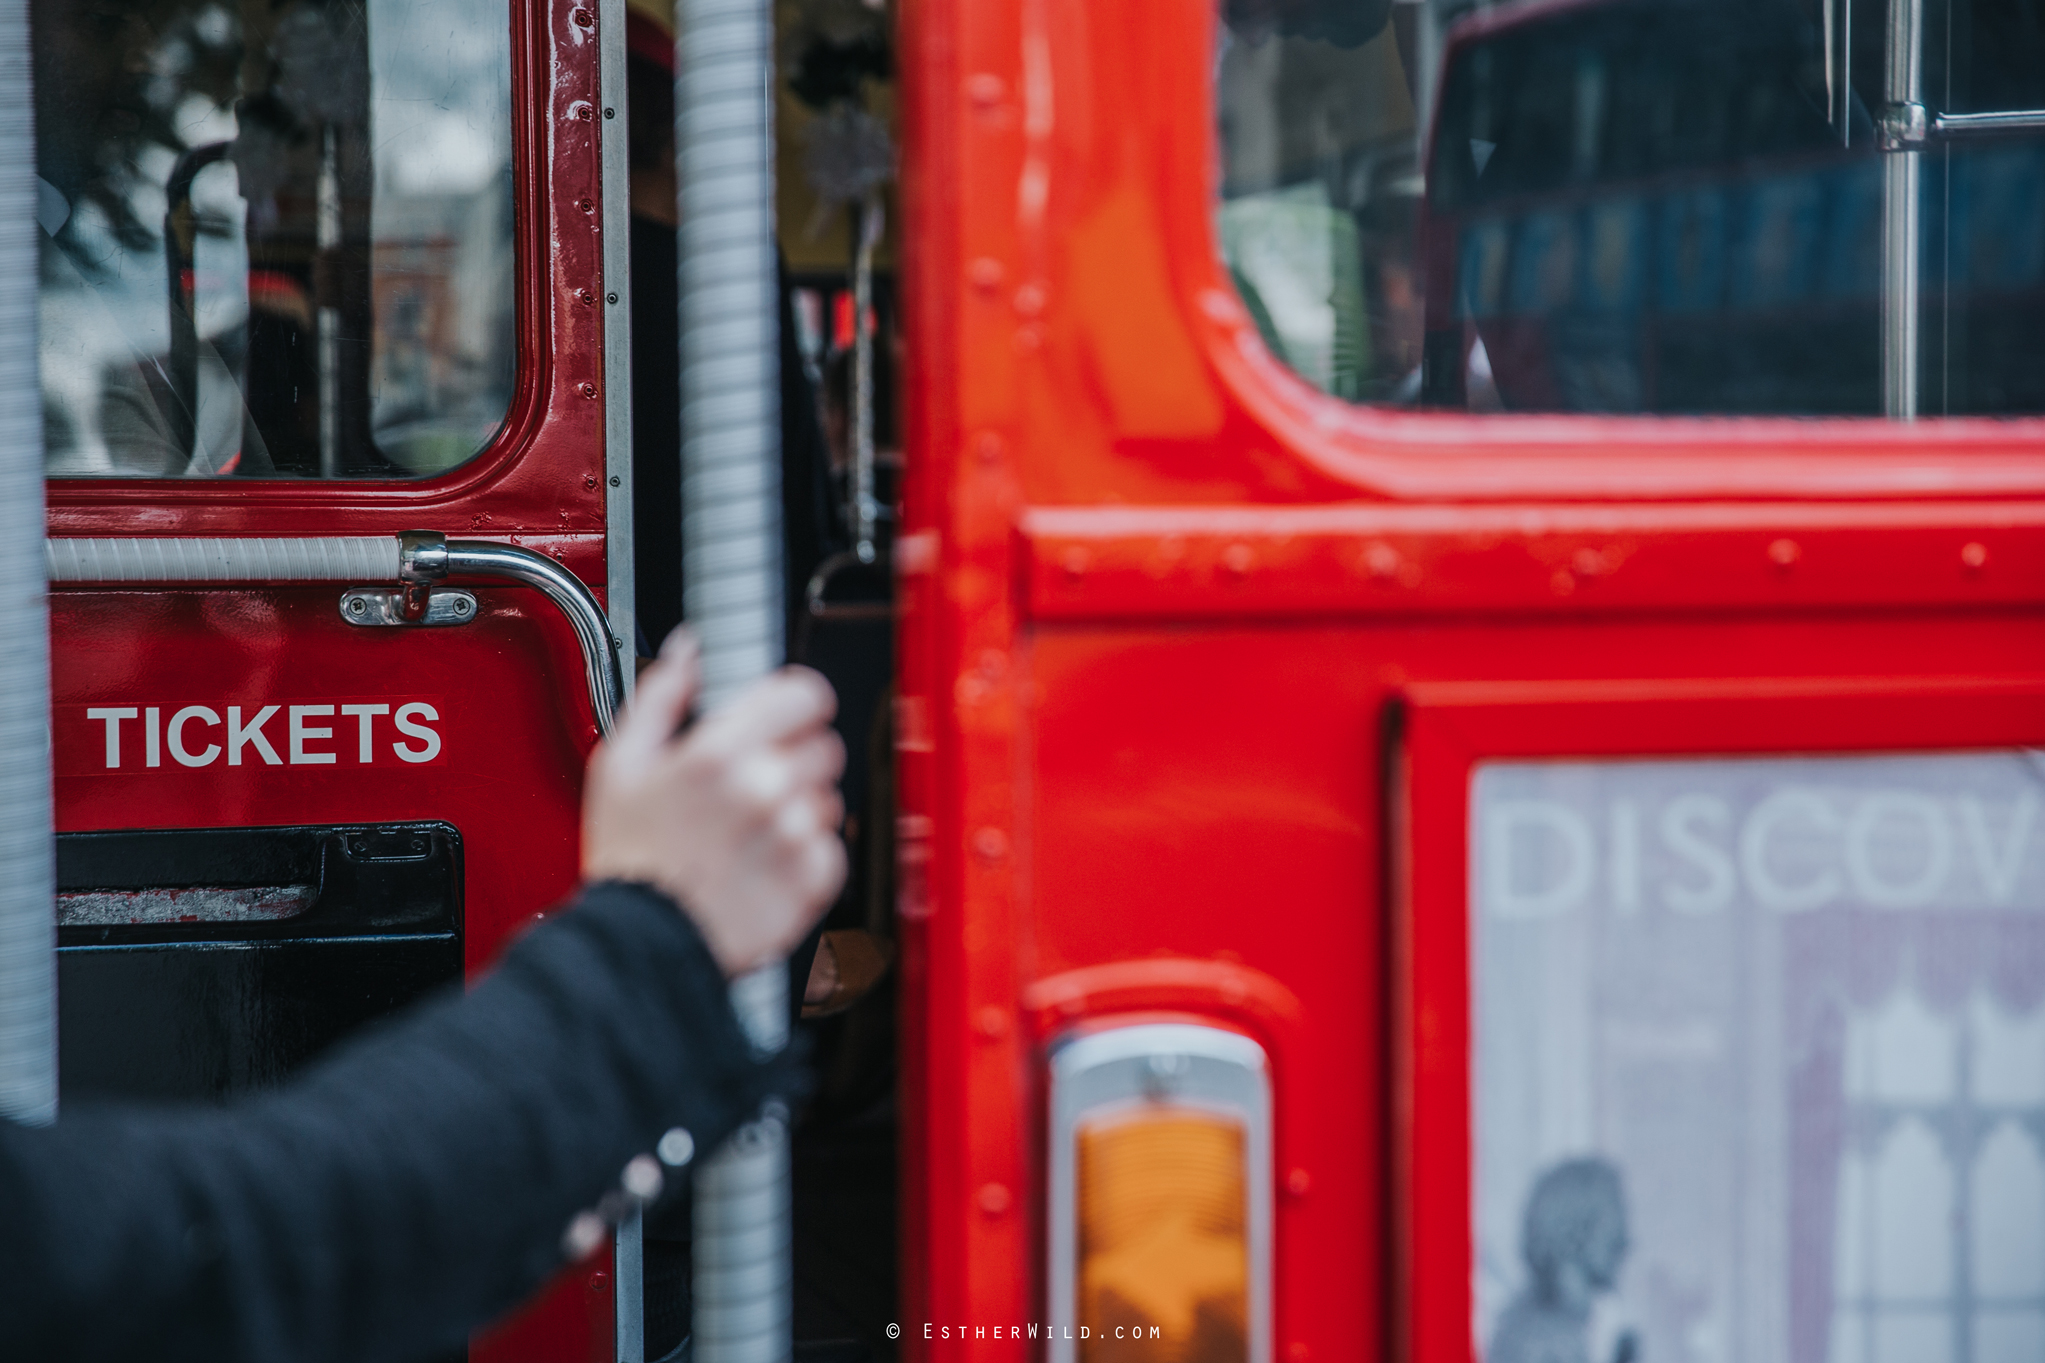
(327, 558)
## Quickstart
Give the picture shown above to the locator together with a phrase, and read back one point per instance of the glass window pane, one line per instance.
(1758, 1068)
(277, 237)
(1636, 206)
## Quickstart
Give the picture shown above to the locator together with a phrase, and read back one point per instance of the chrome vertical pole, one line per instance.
(1905, 129)
(28, 926)
(865, 507)
(733, 583)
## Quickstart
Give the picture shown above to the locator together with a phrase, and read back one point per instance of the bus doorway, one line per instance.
(839, 342)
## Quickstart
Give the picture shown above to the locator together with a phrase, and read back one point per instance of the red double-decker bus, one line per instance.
(1436, 608)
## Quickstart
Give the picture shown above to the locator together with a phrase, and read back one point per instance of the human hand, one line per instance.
(737, 819)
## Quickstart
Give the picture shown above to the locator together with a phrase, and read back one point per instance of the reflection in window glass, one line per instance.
(1758, 1060)
(1653, 206)
(277, 237)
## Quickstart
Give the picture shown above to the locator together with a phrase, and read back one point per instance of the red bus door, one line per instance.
(313, 278)
(1466, 794)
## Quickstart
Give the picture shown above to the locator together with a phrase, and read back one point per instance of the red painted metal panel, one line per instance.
(1162, 601)
(1121, 562)
(513, 712)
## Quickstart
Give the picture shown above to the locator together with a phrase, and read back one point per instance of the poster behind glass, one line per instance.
(1758, 1060)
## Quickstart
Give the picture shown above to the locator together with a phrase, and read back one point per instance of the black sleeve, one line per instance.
(406, 1190)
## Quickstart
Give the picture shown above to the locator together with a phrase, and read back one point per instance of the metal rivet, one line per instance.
(984, 273)
(584, 1233)
(610, 298)
(616, 481)
(676, 1148)
(642, 1178)
(584, 18)
(588, 205)
(585, 295)
(1299, 1183)
(610, 113)
(1784, 553)
(990, 844)
(994, 1199)
(991, 1023)
(1974, 556)
(589, 390)
(985, 89)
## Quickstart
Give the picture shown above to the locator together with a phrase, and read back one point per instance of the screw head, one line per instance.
(357, 606)
(461, 605)
(676, 1148)
(610, 113)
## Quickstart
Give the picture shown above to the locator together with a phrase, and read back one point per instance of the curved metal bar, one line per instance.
(820, 608)
(425, 557)
(2002, 122)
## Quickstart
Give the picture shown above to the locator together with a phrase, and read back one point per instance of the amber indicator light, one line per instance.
(1164, 1256)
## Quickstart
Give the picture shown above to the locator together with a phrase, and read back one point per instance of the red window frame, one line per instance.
(1454, 727)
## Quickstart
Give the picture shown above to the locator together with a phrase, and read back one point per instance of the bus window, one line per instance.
(276, 239)
(1645, 206)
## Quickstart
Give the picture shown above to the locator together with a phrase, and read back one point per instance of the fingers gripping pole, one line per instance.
(733, 576)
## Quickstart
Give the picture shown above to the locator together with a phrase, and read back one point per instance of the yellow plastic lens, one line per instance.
(1163, 1239)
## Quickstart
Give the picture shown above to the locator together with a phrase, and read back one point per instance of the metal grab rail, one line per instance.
(1905, 129)
(28, 927)
(815, 595)
(426, 557)
(416, 559)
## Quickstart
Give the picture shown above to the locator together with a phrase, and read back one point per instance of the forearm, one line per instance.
(406, 1190)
